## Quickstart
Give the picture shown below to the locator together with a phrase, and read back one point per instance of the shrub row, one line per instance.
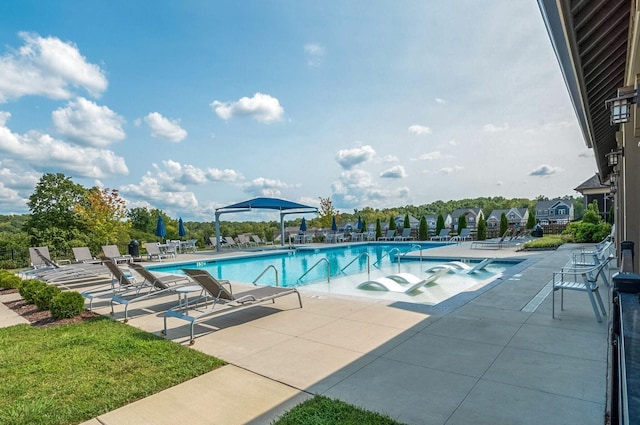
(62, 305)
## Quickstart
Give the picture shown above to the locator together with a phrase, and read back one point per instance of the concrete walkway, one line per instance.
(490, 357)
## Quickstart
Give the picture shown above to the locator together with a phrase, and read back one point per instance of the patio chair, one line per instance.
(567, 279)
(120, 281)
(153, 252)
(113, 253)
(190, 245)
(493, 243)
(83, 255)
(152, 286)
(465, 234)
(259, 241)
(442, 236)
(216, 294)
(51, 271)
(388, 236)
(230, 242)
(460, 267)
(405, 236)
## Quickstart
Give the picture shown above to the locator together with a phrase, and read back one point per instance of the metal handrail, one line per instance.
(386, 254)
(314, 266)
(406, 252)
(354, 260)
(271, 266)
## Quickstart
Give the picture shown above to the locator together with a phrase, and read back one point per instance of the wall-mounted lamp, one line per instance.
(613, 157)
(621, 105)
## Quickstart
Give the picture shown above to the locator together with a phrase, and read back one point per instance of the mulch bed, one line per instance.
(41, 319)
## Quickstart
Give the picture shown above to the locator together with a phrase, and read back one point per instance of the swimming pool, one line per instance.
(306, 266)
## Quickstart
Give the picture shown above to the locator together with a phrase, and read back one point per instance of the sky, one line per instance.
(188, 106)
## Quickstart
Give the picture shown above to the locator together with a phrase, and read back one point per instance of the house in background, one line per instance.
(471, 215)
(593, 190)
(515, 217)
(415, 223)
(555, 211)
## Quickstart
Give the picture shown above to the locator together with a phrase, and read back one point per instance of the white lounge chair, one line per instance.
(388, 284)
(460, 267)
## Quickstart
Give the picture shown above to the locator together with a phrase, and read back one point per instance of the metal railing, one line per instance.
(271, 266)
(386, 254)
(314, 266)
(356, 258)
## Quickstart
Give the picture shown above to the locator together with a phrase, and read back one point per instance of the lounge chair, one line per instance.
(493, 244)
(230, 242)
(371, 236)
(83, 255)
(567, 279)
(401, 282)
(151, 286)
(113, 253)
(259, 241)
(460, 267)
(153, 252)
(218, 295)
(50, 271)
(405, 236)
(442, 236)
(465, 234)
(190, 245)
(120, 281)
(388, 236)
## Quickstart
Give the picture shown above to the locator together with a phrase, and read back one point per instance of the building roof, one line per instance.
(591, 183)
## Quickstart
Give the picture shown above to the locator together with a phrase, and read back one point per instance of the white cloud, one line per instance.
(492, 128)
(545, 170)
(43, 152)
(419, 130)
(315, 54)
(430, 156)
(453, 142)
(390, 158)
(261, 107)
(395, 172)
(440, 100)
(47, 67)
(451, 170)
(265, 187)
(347, 158)
(227, 175)
(164, 128)
(86, 123)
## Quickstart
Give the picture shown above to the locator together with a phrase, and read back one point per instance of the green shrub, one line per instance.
(30, 288)
(66, 305)
(9, 280)
(44, 296)
(10, 264)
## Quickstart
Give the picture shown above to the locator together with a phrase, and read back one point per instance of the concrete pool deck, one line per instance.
(498, 358)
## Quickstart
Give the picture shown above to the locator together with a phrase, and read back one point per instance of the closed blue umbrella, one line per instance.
(359, 225)
(160, 230)
(303, 225)
(334, 226)
(181, 231)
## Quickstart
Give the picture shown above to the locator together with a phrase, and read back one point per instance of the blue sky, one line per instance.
(193, 105)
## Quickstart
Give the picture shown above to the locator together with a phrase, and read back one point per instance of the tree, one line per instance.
(142, 219)
(504, 224)
(531, 220)
(364, 226)
(482, 228)
(103, 214)
(326, 213)
(53, 221)
(439, 224)
(462, 222)
(407, 222)
(423, 229)
(378, 229)
(392, 224)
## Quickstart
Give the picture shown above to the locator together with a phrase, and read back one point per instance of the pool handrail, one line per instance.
(354, 260)
(406, 252)
(386, 254)
(314, 266)
(270, 266)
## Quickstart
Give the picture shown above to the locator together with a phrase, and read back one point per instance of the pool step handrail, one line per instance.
(270, 266)
(354, 260)
(314, 266)
(386, 254)
(415, 245)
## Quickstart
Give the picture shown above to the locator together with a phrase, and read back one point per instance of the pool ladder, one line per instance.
(366, 254)
(271, 266)
(314, 266)
(400, 255)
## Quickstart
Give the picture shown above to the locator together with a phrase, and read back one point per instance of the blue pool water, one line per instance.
(296, 267)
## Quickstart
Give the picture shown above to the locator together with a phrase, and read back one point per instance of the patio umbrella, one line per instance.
(303, 225)
(181, 231)
(160, 230)
(359, 225)
(334, 226)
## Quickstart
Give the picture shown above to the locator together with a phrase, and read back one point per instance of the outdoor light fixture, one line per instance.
(621, 105)
(613, 157)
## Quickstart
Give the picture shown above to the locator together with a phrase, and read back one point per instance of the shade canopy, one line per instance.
(285, 207)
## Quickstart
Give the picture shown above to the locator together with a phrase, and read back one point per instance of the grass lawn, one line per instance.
(72, 373)
(325, 411)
